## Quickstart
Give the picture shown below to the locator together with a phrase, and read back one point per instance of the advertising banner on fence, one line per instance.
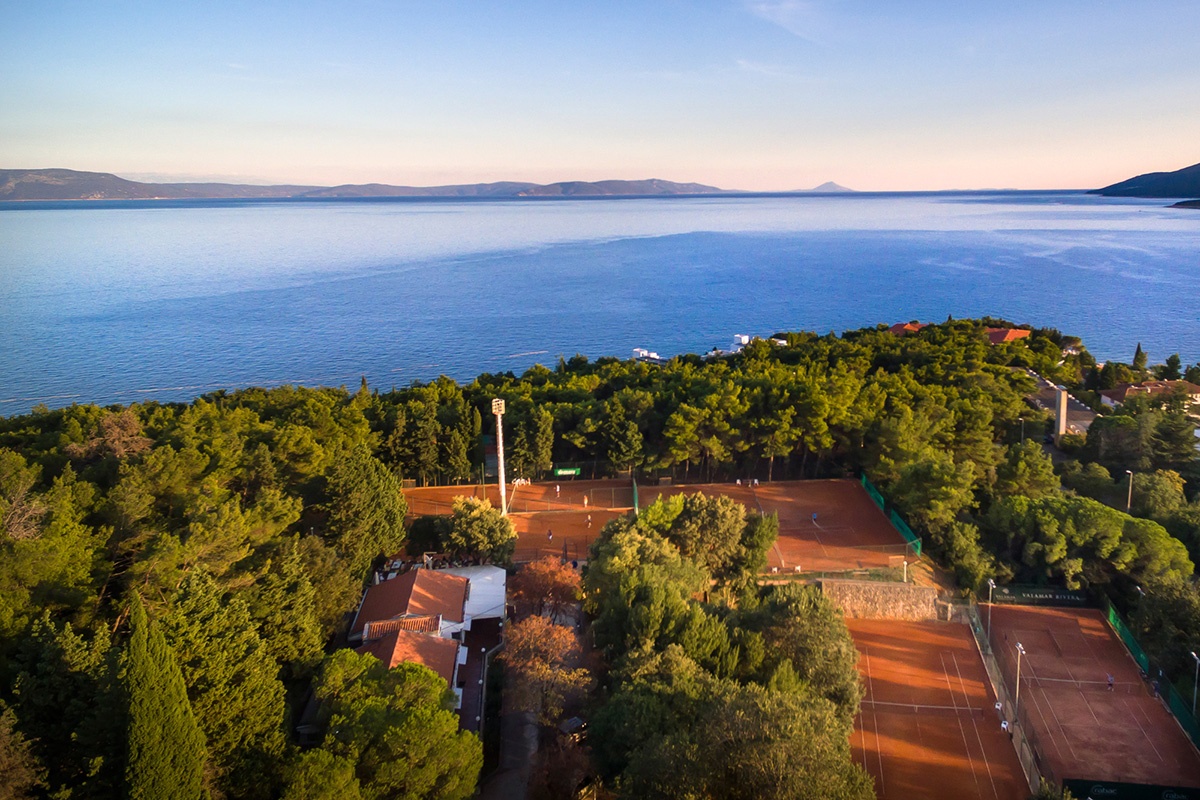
(1109, 790)
(1022, 595)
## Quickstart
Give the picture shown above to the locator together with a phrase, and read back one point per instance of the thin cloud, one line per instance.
(802, 18)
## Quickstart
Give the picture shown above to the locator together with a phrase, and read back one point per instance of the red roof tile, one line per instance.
(905, 328)
(440, 655)
(418, 592)
(1002, 335)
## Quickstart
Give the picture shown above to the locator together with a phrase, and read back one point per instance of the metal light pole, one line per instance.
(1129, 501)
(1017, 698)
(991, 587)
(906, 572)
(1195, 682)
(498, 410)
(1022, 419)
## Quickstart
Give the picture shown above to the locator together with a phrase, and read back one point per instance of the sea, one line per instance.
(121, 301)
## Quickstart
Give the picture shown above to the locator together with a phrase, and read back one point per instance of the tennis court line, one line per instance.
(1146, 734)
(987, 764)
(962, 731)
(875, 719)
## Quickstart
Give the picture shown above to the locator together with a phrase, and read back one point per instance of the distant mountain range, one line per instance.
(67, 184)
(1180, 183)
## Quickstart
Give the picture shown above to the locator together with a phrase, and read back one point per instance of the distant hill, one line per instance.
(829, 187)
(1187, 204)
(653, 186)
(67, 184)
(1180, 183)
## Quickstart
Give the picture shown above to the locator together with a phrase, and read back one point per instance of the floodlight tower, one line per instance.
(498, 410)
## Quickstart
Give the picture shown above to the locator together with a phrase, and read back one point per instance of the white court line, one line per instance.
(987, 765)
(875, 719)
(1142, 728)
(1089, 707)
(961, 729)
(1046, 721)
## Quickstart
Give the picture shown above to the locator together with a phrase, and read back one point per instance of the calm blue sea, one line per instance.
(121, 301)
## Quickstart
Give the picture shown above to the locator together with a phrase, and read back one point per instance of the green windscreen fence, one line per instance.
(1135, 649)
(1181, 708)
(905, 531)
(873, 492)
(900, 525)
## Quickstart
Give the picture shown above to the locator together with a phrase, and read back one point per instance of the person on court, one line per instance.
(1110, 683)
(814, 518)
(557, 489)
(549, 535)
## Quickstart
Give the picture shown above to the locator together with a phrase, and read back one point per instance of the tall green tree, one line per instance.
(20, 772)
(480, 531)
(283, 604)
(1172, 369)
(397, 727)
(1027, 471)
(232, 682)
(166, 747)
(366, 509)
(69, 695)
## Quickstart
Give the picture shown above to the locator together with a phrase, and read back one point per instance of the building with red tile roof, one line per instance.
(1002, 335)
(416, 593)
(905, 328)
(1123, 391)
(397, 647)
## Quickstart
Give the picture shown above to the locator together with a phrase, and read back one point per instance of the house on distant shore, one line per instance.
(905, 328)
(1002, 335)
(1123, 391)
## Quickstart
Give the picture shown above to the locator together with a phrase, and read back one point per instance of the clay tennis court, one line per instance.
(1076, 725)
(548, 522)
(850, 531)
(928, 726)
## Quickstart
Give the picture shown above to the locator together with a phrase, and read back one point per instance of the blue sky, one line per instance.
(753, 94)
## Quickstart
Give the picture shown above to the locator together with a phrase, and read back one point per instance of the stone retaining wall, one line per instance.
(879, 600)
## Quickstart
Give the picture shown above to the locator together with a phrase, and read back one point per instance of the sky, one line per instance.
(767, 95)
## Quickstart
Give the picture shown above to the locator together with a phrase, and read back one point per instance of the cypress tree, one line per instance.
(166, 747)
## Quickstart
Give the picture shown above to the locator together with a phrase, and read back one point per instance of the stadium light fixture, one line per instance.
(1017, 698)
(991, 588)
(1195, 682)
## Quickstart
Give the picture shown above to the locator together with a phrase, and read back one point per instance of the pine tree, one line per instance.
(1139, 358)
(166, 747)
(283, 603)
(232, 680)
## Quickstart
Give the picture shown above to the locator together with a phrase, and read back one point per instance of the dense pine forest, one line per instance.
(182, 572)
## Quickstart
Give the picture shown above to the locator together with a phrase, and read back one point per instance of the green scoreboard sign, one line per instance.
(1110, 790)
(564, 472)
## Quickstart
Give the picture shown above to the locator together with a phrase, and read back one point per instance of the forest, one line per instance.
(212, 550)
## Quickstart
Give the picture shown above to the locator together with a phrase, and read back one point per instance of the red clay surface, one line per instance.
(850, 531)
(1080, 729)
(928, 727)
